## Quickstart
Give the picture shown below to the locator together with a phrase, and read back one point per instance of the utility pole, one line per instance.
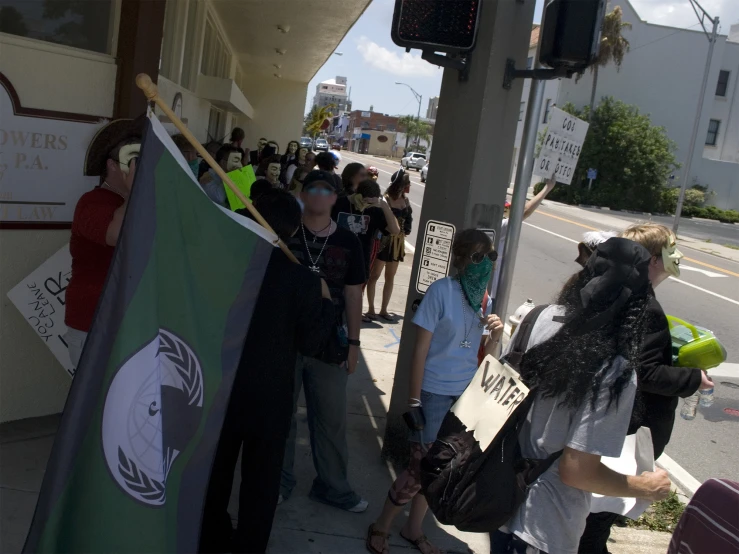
(702, 16)
(419, 98)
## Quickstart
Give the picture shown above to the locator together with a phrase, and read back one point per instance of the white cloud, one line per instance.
(403, 64)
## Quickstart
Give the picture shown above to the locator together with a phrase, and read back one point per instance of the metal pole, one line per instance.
(696, 125)
(418, 123)
(520, 188)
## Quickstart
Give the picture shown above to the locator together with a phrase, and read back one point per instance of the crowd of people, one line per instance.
(598, 359)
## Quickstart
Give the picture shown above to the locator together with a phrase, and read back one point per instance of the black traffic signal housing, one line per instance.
(448, 26)
(570, 33)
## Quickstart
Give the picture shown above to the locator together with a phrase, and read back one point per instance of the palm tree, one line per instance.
(316, 117)
(421, 130)
(613, 47)
(407, 122)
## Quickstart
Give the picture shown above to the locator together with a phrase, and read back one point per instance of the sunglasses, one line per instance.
(319, 191)
(478, 257)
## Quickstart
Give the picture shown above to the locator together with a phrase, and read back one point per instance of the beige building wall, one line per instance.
(380, 148)
(32, 382)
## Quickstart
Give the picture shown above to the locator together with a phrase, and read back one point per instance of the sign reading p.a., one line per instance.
(487, 402)
(561, 146)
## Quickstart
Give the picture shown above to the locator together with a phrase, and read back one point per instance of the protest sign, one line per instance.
(561, 146)
(489, 400)
(243, 179)
(41, 297)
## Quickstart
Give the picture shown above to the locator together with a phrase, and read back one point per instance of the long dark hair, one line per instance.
(350, 171)
(572, 364)
(397, 184)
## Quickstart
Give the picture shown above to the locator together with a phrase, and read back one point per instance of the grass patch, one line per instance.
(732, 246)
(660, 516)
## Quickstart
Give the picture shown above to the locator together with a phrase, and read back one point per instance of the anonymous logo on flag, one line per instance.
(140, 441)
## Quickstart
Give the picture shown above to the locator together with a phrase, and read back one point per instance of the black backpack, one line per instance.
(480, 491)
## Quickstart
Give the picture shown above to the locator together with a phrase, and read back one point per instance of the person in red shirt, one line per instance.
(97, 222)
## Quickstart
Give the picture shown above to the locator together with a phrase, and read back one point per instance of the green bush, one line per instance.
(694, 198)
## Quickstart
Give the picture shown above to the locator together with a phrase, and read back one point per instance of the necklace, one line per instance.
(465, 342)
(314, 263)
(315, 234)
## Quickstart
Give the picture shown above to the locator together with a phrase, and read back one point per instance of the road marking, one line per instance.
(722, 270)
(703, 271)
(388, 172)
(727, 299)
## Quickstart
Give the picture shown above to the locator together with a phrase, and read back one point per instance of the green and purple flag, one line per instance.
(130, 465)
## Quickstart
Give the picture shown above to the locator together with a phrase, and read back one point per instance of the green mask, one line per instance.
(474, 281)
(194, 166)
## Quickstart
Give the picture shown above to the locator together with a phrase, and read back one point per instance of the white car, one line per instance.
(414, 160)
(424, 173)
(321, 144)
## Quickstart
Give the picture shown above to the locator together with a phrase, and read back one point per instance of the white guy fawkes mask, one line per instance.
(126, 154)
(302, 153)
(671, 257)
(234, 161)
(292, 148)
(273, 172)
(261, 143)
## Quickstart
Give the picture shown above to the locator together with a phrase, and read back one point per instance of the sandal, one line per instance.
(418, 542)
(371, 317)
(372, 532)
(388, 317)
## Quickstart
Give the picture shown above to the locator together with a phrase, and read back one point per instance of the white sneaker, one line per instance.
(361, 506)
(280, 499)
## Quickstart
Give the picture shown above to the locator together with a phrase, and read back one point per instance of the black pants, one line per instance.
(261, 466)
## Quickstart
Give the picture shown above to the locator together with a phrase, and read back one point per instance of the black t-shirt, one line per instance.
(341, 262)
(368, 225)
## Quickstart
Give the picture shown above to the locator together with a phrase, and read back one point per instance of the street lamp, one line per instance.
(696, 123)
(418, 117)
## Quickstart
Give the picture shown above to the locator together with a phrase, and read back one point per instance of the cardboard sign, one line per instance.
(41, 297)
(436, 254)
(561, 147)
(489, 400)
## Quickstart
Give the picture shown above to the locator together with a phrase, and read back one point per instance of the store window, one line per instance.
(81, 24)
(216, 59)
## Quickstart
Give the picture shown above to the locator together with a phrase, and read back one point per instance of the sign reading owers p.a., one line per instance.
(42, 155)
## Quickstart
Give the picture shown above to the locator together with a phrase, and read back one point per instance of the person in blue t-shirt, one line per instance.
(450, 321)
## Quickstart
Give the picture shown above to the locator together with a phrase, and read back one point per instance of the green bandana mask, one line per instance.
(474, 280)
(194, 166)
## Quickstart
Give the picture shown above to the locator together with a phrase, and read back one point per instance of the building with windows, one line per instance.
(662, 75)
(333, 91)
(433, 107)
(65, 66)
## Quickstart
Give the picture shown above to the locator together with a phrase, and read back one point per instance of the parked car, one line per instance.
(424, 173)
(414, 160)
(306, 142)
(320, 144)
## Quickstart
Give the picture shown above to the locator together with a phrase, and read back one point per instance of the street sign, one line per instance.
(436, 254)
(561, 147)
(592, 173)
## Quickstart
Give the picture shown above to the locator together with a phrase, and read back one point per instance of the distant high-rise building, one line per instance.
(333, 91)
(433, 107)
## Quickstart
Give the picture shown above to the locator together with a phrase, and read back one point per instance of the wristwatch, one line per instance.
(354, 342)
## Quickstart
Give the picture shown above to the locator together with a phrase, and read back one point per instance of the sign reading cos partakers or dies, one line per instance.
(41, 298)
(436, 254)
(561, 147)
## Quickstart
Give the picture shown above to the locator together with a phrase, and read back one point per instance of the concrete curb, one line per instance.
(679, 476)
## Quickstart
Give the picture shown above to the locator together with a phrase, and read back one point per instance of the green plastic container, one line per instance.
(694, 346)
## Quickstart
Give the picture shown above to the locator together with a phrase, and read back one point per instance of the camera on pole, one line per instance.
(438, 27)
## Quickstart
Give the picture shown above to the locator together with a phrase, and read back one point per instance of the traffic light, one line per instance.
(570, 34)
(436, 25)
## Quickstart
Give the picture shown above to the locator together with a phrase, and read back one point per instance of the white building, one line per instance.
(662, 76)
(222, 64)
(333, 91)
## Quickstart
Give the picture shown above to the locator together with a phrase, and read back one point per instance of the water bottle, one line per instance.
(690, 407)
(706, 397)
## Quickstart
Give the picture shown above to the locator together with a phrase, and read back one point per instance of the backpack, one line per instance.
(480, 491)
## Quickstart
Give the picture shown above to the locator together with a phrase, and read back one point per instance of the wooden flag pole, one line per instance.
(144, 82)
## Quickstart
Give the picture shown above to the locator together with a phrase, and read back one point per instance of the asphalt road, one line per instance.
(726, 234)
(706, 294)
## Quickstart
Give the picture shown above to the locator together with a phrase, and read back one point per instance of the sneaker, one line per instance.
(280, 499)
(361, 506)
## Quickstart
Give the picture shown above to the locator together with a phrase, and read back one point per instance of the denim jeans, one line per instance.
(325, 398)
(435, 408)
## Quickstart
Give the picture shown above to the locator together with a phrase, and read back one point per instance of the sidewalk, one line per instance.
(301, 525)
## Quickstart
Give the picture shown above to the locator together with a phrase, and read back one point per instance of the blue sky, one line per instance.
(372, 63)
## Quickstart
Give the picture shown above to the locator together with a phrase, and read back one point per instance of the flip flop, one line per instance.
(367, 319)
(371, 317)
(372, 532)
(388, 317)
(418, 542)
